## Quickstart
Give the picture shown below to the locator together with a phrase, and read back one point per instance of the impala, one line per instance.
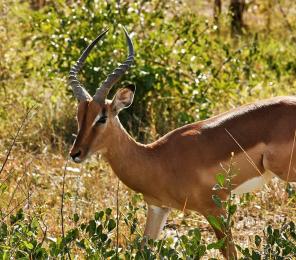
(179, 169)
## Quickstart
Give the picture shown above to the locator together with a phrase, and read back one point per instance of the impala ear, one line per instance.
(123, 98)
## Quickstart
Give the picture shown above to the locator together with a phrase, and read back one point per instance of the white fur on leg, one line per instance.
(156, 218)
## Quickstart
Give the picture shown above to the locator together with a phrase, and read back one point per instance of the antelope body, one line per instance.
(180, 168)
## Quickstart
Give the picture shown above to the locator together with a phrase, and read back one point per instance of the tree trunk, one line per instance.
(236, 9)
(269, 12)
(37, 4)
(217, 11)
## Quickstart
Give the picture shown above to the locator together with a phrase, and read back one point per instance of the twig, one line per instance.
(15, 189)
(139, 232)
(228, 60)
(20, 203)
(185, 205)
(10, 172)
(44, 232)
(160, 247)
(29, 192)
(15, 138)
(44, 235)
(291, 157)
(250, 160)
(181, 244)
(217, 72)
(117, 219)
(62, 204)
(62, 200)
(76, 194)
(217, 13)
(194, 41)
(177, 67)
(26, 184)
(190, 77)
(183, 217)
(289, 26)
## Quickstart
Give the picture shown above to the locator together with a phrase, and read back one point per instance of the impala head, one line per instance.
(97, 115)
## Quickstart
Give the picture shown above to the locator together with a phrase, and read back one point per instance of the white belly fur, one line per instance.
(253, 184)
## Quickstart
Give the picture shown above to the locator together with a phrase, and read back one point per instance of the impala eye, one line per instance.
(101, 120)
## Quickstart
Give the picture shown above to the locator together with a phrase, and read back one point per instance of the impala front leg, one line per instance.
(156, 218)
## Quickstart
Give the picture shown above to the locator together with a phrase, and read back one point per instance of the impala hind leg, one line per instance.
(156, 218)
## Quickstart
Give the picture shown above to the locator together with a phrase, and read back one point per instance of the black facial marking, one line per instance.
(103, 117)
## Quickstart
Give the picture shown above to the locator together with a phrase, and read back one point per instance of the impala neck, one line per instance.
(128, 158)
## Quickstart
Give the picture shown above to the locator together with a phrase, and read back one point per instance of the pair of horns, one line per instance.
(101, 93)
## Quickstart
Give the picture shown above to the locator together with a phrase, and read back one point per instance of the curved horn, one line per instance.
(80, 93)
(112, 78)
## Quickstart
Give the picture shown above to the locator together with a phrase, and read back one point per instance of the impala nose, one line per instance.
(75, 156)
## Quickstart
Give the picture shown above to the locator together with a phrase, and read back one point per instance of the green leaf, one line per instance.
(99, 215)
(194, 234)
(111, 224)
(290, 190)
(220, 178)
(217, 201)
(28, 245)
(103, 237)
(81, 244)
(215, 223)
(232, 209)
(108, 211)
(133, 227)
(217, 245)
(75, 217)
(3, 188)
(269, 230)
(255, 256)
(91, 228)
(257, 240)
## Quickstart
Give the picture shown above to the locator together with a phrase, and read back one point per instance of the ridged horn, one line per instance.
(80, 93)
(103, 90)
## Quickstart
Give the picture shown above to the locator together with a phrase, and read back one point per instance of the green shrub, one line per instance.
(274, 244)
(96, 239)
(184, 71)
(19, 238)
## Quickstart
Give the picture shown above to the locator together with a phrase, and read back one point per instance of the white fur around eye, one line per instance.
(96, 119)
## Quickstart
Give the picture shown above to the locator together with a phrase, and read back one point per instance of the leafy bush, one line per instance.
(275, 244)
(184, 70)
(19, 238)
(95, 239)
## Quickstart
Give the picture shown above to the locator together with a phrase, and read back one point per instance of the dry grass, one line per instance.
(36, 180)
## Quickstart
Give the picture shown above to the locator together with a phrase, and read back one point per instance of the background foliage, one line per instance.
(184, 69)
(187, 68)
